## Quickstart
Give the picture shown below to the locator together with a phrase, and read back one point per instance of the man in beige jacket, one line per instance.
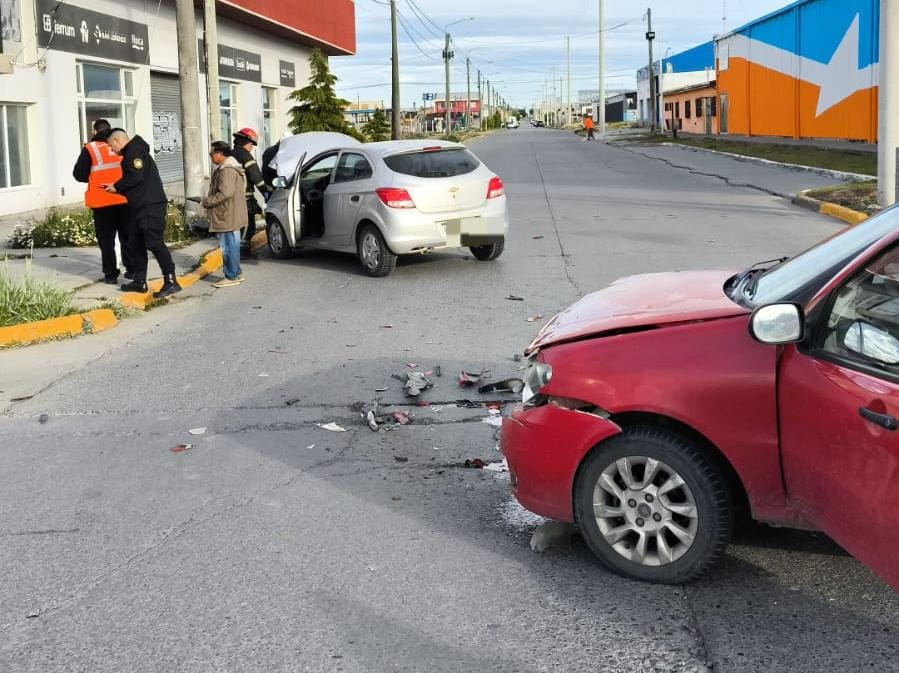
(227, 210)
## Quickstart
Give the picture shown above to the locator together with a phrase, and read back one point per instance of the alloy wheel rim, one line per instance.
(371, 251)
(275, 238)
(645, 511)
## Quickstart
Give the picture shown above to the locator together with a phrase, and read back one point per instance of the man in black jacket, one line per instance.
(110, 211)
(142, 186)
(244, 142)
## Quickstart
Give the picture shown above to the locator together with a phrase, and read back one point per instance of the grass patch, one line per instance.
(849, 161)
(860, 196)
(26, 299)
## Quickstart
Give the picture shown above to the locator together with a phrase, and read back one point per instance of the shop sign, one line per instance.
(235, 63)
(288, 73)
(66, 27)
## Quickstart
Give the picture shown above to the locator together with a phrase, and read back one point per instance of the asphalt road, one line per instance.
(276, 545)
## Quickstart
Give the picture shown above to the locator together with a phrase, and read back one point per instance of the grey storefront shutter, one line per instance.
(167, 144)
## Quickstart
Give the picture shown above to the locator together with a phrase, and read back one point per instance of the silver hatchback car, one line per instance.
(382, 200)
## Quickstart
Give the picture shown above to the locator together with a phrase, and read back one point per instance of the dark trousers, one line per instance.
(250, 230)
(590, 134)
(110, 222)
(147, 232)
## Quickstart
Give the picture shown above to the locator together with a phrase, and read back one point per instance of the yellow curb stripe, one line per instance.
(842, 213)
(70, 325)
(99, 320)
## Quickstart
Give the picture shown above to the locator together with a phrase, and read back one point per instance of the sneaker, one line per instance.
(227, 282)
(169, 287)
(134, 286)
(240, 278)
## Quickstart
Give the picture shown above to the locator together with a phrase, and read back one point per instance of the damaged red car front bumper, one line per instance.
(544, 447)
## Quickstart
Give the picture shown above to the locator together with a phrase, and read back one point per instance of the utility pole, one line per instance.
(395, 67)
(480, 104)
(468, 98)
(650, 36)
(192, 149)
(601, 106)
(447, 55)
(568, 97)
(210, 43)
(888, 125)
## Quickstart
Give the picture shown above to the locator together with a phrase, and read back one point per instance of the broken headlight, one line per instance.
(538, 375)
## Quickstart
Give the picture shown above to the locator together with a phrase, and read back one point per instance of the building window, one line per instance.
(714, 105)
(104, 92)
(14, 168)
(269, 115)
(10, 21)
(228, 108)
(677, 109)
(699, 107)
(687, 106)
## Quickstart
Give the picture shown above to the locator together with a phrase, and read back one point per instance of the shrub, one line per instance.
(27, 299)
(75, 229)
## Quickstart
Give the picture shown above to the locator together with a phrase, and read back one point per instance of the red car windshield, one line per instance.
(798, 279)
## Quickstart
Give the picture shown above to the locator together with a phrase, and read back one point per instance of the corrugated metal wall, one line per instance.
(806, 71)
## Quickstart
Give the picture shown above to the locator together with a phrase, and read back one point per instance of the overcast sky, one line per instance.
(516, 44)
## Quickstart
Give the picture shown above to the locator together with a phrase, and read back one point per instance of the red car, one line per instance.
(659, 410)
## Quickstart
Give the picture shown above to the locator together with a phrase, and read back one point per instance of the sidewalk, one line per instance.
(821, 143)
(79, 269)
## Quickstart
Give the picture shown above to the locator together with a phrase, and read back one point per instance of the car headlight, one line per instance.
(537, 376)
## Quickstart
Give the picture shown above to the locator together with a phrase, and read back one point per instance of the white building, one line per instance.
(74, 62)
(687, 68)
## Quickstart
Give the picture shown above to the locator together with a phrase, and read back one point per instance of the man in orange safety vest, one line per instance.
(98, 165)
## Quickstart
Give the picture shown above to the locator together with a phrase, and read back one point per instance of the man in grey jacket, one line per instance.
(227, 209)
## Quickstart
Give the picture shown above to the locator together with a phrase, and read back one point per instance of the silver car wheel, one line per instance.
(371, 250)
(645, 511)
(275, 238)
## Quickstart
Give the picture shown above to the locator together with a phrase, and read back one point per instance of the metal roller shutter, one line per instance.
(166, 103)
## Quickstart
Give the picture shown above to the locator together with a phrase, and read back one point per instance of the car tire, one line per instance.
(489, 252)
(636, 531)
(376, 258)
(278, 243)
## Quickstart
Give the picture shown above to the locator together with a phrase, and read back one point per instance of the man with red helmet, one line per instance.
(244, 142)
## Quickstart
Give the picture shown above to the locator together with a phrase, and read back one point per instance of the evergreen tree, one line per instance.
(377, 128)
(318, 108)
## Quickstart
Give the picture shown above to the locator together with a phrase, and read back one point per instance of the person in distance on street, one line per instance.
(588, 126)
(142, 186)
(226, 208)
(98, 165)
(245, 142)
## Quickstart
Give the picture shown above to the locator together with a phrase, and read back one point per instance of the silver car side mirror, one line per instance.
(279, 182)
(872, 342)
(777, 324)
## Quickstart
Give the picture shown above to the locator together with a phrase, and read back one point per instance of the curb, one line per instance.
(91, 322)
(833, 210)
(211, 263)
(826, 172)
(100, 320)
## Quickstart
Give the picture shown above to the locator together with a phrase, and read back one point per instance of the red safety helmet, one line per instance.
(248, 134)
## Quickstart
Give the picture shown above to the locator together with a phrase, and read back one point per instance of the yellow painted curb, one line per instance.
(70, 325)
(99, 320)
(842, 213)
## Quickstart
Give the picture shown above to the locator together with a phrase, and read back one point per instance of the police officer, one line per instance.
(244, 142)
(142, 186)
(98, 165)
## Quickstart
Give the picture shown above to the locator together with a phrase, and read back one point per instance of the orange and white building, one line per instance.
(808, 70)
(80, 60)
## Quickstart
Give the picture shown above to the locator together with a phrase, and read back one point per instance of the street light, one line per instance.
(447, 55)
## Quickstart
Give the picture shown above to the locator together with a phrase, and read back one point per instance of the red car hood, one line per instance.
(645, 301)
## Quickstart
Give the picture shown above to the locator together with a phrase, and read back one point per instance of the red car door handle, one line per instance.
(883, 420)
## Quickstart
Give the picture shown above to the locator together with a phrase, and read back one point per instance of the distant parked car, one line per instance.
(383, 200)
(512, 123)
(539, 123)
(658, 410)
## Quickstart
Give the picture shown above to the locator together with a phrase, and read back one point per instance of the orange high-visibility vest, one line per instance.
(106, 169)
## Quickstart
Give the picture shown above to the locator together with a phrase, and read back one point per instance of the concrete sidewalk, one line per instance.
(819, 143)
(776, 179)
